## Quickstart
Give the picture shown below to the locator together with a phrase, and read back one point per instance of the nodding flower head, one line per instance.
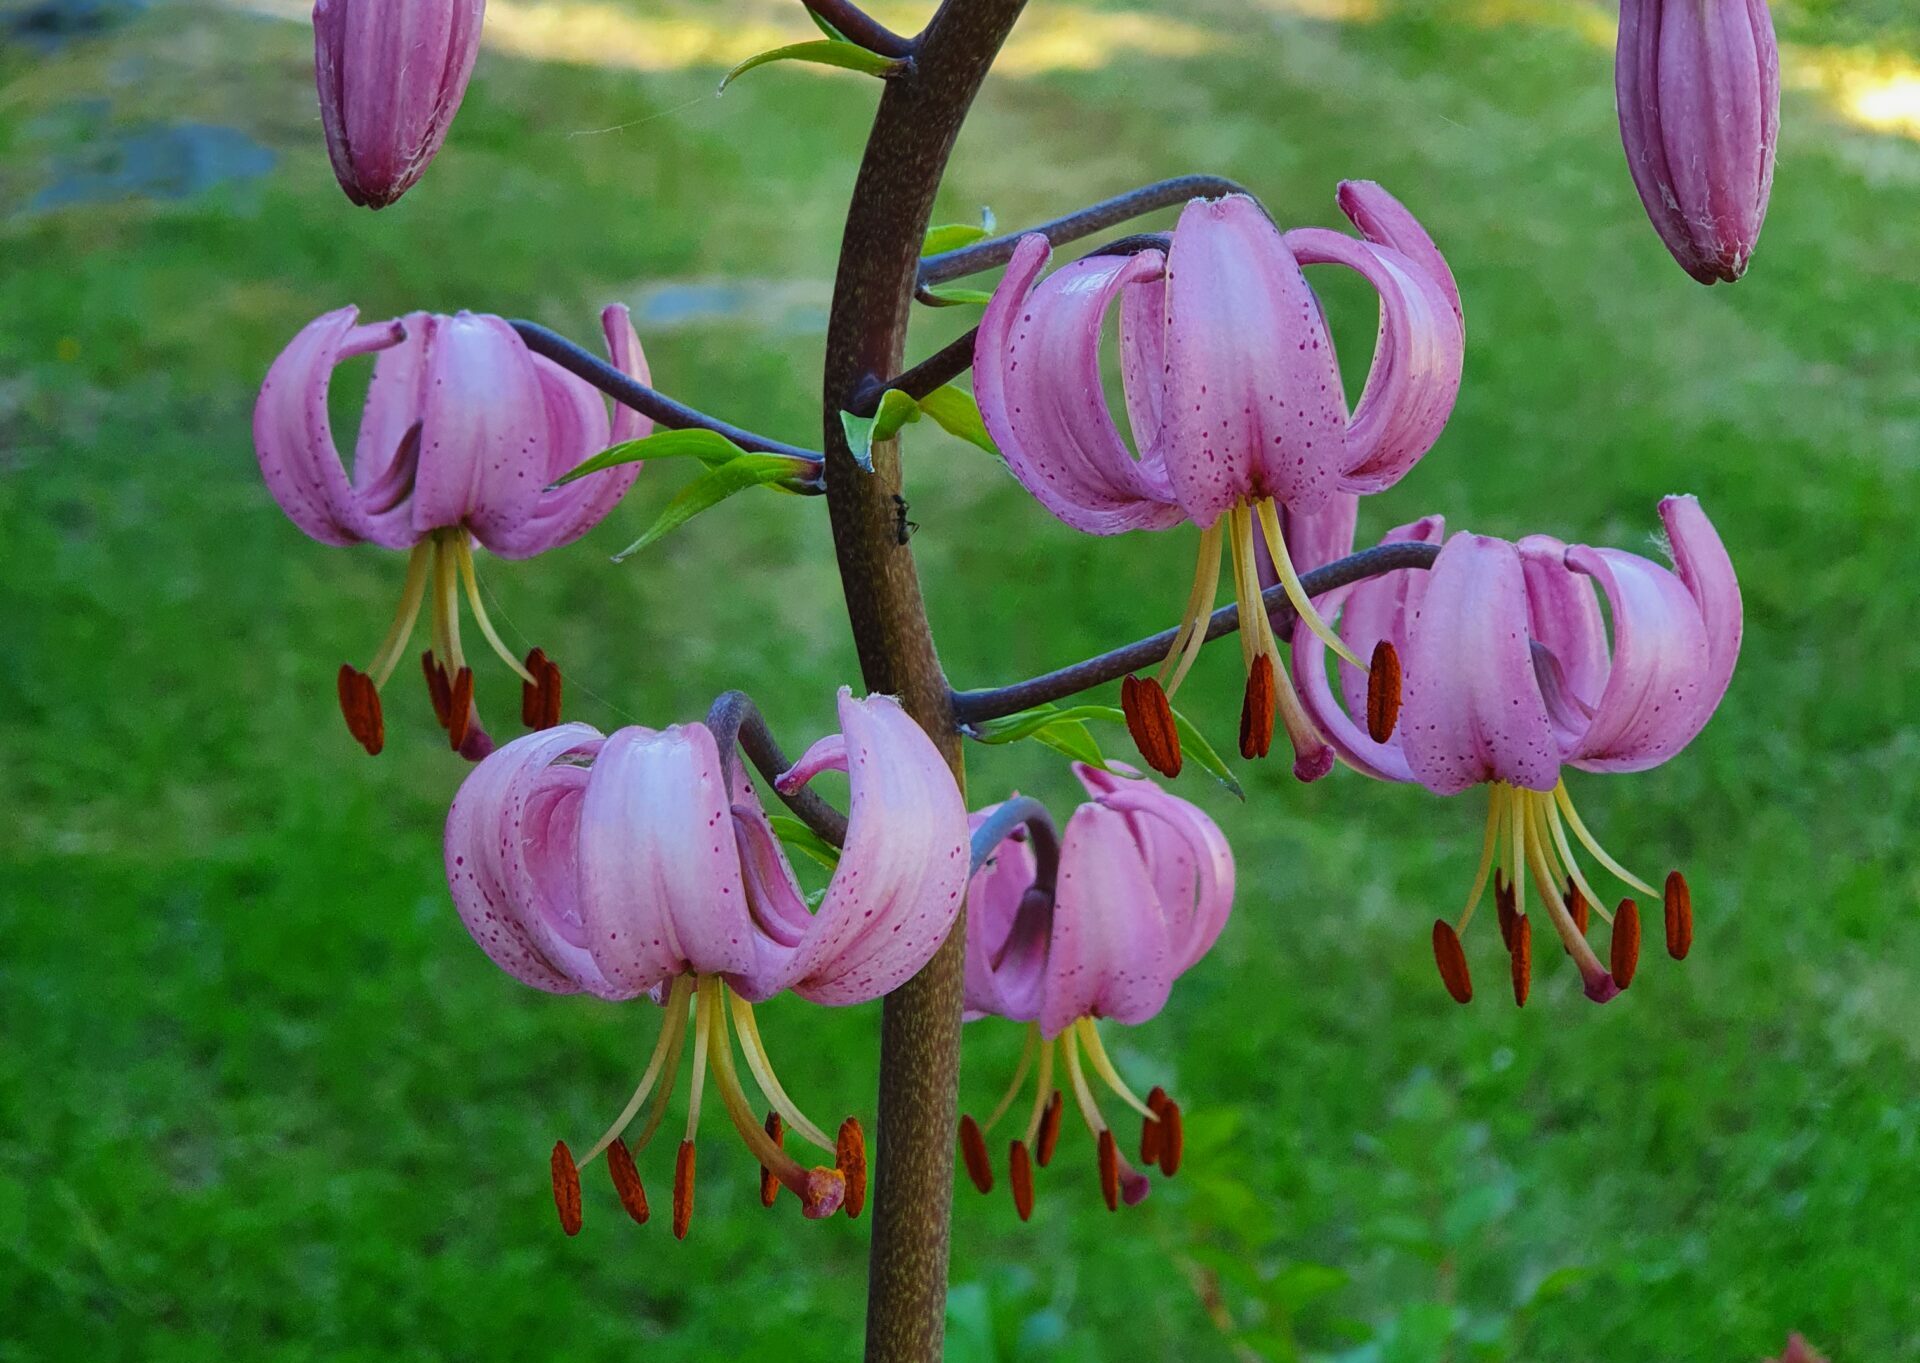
(463, 433)
(642, 863)
(1511, 677)
(1096, 926)
(1236, 406)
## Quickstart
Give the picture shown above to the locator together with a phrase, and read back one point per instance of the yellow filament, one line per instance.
(1488, 843)
(1592, 845)
(418, 564)
(1283, 564)
(702, 1030)
(437, 636)
(1082, 1095)
(761, 1064)
(672, 1032)
(1552, 813)
(1103, 1066)
(1517, 808)
(1019, 1077)
(727, 1079)
(1563, 923)
(1245, 578)
(1042, 1090)
(463, 554)
(663, 1091)
(1193, 623)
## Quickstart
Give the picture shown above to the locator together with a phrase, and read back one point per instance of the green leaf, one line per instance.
(1013, 728)
(804, 840)
(1194, 744)
(952, 295)
(709, 447)
(1074, 740)
(950, 236)
(956, 413)
(896, 410)
(824, 26)
(715, 486)
(827, 52)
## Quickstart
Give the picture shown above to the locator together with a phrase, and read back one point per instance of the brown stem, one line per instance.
(913, 134)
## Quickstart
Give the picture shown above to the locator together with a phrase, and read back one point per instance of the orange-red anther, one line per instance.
(1150, 721)
(1577, 907)
(439, 689)
(460, 709)
(683, 1190)
(566, 1188)
(1256, 709)
(1522, 961)
(1679, 916)
(530, 706)
(776, 1131)
(1507, 904)
(973, 1153)
(360, 707)
(1151, 1128)
(550, 696)
(850, 1158)
(1452, 961)
(626, 1181)
(1020, 1178)
(1110, 1170)
(1383, 692)
(1173, 1140)
(1626, 942)
(1049, 1130)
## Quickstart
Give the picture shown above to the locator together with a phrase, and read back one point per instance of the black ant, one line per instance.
(902, 527)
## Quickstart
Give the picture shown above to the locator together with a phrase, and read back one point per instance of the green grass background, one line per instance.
(261, 1098)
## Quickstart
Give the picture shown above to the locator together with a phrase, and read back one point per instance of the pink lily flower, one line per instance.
(1141, 886)
(1511, 677)
(1697, 84)
(642, 863)
(1236, 406)
(391, 74)
(463, 431)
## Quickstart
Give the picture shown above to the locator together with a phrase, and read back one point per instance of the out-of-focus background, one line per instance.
(261, 1098)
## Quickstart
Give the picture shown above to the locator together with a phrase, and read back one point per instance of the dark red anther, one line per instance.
(530, 706)
(566, 1188)
(1151, 1128)
(776, 1131)
(439, 689)
(850, 1158)
(683, 1190)
(1110, 1170)
(1150, 721)
(1383, 692)
(626, 1181)
(1679, 916)
(1020, 1178)
(1626, 942)
(973, 1153)
(1506, 904)
(461, 712)
(1452, 961)
(360, 707)
(1173, 1140)
(1256, 709)
(1522, 961)
(1577, 907)
(1049, 1130)
(550, 696)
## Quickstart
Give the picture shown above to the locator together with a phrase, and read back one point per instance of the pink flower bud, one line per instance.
(391, 74)
(1698, 88)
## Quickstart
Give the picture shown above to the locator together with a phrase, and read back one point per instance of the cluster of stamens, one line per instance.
(1147, 702)
(702, 1005)
(1527, 834)
(438, 568)
(1161, 1137)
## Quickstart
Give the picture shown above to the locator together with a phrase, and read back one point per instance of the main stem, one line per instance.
(913, 134)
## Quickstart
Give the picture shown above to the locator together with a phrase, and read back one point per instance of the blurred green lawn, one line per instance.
(261, 1098)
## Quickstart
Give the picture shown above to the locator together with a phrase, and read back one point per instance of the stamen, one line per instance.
(1173, 1140)
(1589, 899)
(1679, 905)
(1489, 844)
(1115, 1172)
(1049, 1130)
(360, 707)
(1103, 1066)
(1599, 853)
(566, 1188)
(1042, 1092)
(1599, 985)
(850, 1159)
(1626, 942)
(439, 689)
(1312, 756)
(1256, 709)
(1577, 905)
(1503, 903)
(1517, 849)
(463, 557)
(461, 712)
(973, 1153)
(769, 1185)
(702, 1032)
(540, 699)
(1250, 607)
(626, 1182)
(1150, 722)
(1522, 948)
(419, 563)
(1019, 1075)
(1193, 621)
(1020, 1178)
(1383, 692)
(671, 1031)
(1110, 1171)
(1283, 564)
(821, 1191)
(761, 1065)
(1082, 1095)
(1151, 1127)
(683, 1190)
(1452, 961)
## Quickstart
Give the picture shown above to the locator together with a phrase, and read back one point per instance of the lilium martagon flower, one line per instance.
(1511, 678)
(1237, 411)
(463, 431)
(1143, 885)
(641, 864)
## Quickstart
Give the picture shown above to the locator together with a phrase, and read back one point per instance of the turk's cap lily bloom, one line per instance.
(1697, 85)
(642, 863)
(462, 434)
(390, 74)
(1140, 889)
(1513, 675)
(1234, 398)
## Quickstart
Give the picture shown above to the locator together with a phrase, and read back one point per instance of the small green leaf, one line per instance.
(715, 486)
(802, 839)
(1195, 745)
(709, 447)
(827, 52)
(1073, 740)
(951, 236)
(954, 409)
(953, 296)
(896, 410)
(1013, 728)
(824, 26)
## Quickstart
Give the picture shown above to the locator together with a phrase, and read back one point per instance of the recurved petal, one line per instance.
(1186, 856)
(1704, 566)
(1007, 934)
(1569, 635)
(483, 453)
(896, 892)
(1037, 379)
(1385, 221)
(1472, 710)
(1110, 955)
(660, 884)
